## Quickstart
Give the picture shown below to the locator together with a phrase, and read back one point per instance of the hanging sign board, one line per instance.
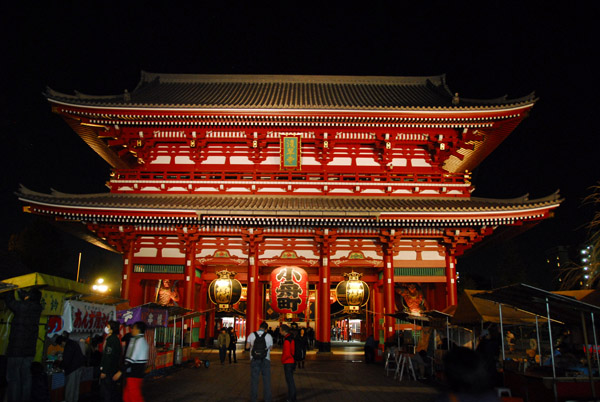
(52, 302)
(290, 146)
(152, 317)
(80, 316)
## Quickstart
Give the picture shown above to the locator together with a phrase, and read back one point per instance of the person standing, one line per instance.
(232, 344)
(289, 364)
(136, 358)
(223, 343)
(22, 342)
(261, 344)
(310, 334)
(301, 346)
(109, 365)
(72, 363)
(370, 347)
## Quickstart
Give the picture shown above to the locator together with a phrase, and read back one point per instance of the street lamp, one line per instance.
(100, 286)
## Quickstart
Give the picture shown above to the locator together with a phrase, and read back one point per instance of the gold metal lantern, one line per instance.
(353, 293)
(225, 291)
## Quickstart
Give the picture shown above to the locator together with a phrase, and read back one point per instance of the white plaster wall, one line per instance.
(366, 162)
(271, 160)
(340, 162)
(161, 159)
(146, 252)
(172, 252)
(215, 160)
(310, 161)
(399, 162)
(432, 255)
(407, 255)
(240, 160)
(419, 162)
(183, 160)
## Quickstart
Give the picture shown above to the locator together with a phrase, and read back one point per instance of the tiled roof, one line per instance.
(257, 205)
(285, 92)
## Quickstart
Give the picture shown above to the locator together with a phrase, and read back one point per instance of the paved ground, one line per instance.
(341, 376)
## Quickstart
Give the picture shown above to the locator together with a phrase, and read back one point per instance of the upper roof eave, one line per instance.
(234, 204)
(286, 92)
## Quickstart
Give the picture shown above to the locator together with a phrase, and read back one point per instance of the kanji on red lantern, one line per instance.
(289, 290)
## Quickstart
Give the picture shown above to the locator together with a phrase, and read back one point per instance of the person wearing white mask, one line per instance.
(109, 365)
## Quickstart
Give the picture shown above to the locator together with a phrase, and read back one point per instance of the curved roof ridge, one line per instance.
(146, 76)
(362, 93)
(554, 197)
(52, 93)
(500, 99)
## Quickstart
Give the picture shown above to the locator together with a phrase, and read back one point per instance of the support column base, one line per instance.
(323, 347)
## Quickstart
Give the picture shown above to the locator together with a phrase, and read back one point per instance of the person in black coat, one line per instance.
(22, 342)
(301, 345)
(232, 344)
(72, 363)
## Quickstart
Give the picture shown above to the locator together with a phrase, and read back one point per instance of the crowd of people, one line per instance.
(119, 363)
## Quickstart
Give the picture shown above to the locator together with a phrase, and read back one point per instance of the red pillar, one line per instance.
(324, 306)
(211, 326)
(452, 293)
(366, 327)
(254, 303)
(388, 294)
(201, 303)
(127, 271)
(378, 332)
(190, 277)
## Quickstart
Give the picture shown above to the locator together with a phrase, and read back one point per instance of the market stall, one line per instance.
(68, 306)
(570, 381)
(165, 332)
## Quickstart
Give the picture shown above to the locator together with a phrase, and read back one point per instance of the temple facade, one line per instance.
(331, 174)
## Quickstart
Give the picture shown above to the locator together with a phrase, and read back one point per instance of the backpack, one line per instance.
(259, 348)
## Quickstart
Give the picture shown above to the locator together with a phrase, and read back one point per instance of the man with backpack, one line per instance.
(260, 361)
(289, 364)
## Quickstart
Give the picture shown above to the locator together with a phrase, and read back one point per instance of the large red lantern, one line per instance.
(225, 291)
(289, 290)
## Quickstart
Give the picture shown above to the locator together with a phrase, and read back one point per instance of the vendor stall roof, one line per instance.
(533, 301)
(49, 282)
(174, 311)
(586, 296)
(400, 315)
(473, 311)
(55, 283)
(4, 287)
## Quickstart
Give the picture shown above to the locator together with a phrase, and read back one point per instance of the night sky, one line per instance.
(506, 47)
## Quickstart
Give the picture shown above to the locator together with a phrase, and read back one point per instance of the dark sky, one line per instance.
(486, 51)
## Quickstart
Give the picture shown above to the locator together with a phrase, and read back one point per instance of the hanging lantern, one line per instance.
(289, 290)
(225, 291)
(352, 293)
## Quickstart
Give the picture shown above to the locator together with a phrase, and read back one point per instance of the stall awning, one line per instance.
(528, 299)
(49, 282)
(473, 311)
(6, 286)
